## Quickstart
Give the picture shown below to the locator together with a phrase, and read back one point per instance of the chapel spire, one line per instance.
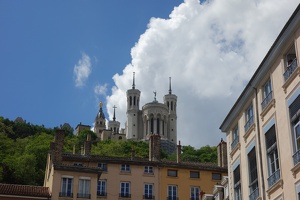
(133, 82)
(114, 118)
(170, 89)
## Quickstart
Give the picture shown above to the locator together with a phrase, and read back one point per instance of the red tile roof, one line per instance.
(24, 190)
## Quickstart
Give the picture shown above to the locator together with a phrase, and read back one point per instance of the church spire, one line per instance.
(133, 84)
(114, 118)
(170, 90)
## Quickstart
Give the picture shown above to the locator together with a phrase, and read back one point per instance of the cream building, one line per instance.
(263, 126)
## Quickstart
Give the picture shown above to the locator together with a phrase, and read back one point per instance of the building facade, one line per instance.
(262, 127)
(87, 176)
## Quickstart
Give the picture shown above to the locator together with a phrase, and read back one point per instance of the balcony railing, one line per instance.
(274, 178)
(249, 123)
(85, 196)
(296, 157)
(172, 198)
(290, 70)
(234, 142)
(266, 101)
(101, 194)
(66, 194)
(254, 195)
(195, 198)
(124, 195)
(148, 196)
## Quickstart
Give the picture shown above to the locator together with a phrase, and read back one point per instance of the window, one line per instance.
(148, 170)
(237, 184)
(272, 154)
(253, 179)
(290, 63)
(235, 137)
(249, 118)
(101, 188)
(148, 191)
(194, 174)
(294, 109)
(125, 189)
(125, 168)
(66, 187)
(103, 166)
(172, 192)
(195, 193)
(172, 173)
(267, 94)
(84, 189)
(216, 176)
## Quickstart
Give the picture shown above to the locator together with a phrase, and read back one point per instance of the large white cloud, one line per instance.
(210, 50)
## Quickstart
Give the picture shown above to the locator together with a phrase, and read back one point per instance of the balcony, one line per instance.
(235, 142)
(290, 70)
(274, 178)
(149, 196)
(296, 157)
(124, 195)
(254, 195)
(66, 194)
(85, 196)
(266, 101)
(172, 198)
(249, 123)
(101, 194)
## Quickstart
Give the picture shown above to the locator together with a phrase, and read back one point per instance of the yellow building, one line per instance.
(263, 125)
(86, 176)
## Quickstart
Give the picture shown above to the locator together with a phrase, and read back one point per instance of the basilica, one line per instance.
(153, 118)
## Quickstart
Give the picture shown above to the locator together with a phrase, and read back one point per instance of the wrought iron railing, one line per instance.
(274, 178)
(148, 196)
(254, 195)
(290, 69)
(249, 123)
(234, 142)
(85, 196)
(65, 194)
(266, 101)
(124, 195)
(101, 193)
(296, 157)
(172, 198)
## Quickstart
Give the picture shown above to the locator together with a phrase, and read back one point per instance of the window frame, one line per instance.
(103, 166)
(66, 189)
(125, 168)
(192, 173)
(237, 183)
(148, 170)
(213, 176)
(148, 190)
(101, 187)
(171, 171)
(84, 188)
(194, 193)
(172, 192)
(125, 189)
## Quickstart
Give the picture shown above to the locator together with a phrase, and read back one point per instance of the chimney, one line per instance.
(88, 145)
(154, 147)
(179, 152)
(222, 153)
(132, 152)
(57, 146)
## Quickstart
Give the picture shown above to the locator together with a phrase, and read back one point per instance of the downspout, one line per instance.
(259, 146)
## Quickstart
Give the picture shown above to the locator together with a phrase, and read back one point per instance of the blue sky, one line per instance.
(60, 58)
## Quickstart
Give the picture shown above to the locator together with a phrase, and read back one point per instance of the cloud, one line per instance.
(82, 70)
(100, 89)
(211, 51)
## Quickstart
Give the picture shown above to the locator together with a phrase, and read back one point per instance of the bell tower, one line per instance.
(133, 102)
(171, 101)
(99, 122)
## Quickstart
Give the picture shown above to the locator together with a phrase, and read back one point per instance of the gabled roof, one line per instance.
(264, 66)
(24, 190)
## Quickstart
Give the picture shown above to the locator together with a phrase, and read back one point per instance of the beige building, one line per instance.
(263, 127)
(86, 176)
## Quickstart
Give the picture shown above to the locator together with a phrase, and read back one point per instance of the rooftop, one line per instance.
(24, 190)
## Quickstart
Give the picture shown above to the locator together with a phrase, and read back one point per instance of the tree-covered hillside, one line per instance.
(24, 148)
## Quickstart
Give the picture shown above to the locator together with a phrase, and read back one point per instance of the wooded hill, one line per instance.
(24, 148)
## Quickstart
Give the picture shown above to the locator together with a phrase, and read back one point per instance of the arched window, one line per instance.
(157, 126)
(134, 100)
(152, 125)
(130, 100)
(171, 105)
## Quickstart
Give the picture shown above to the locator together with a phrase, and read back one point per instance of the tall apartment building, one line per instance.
(263, 126)
(86, 176)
